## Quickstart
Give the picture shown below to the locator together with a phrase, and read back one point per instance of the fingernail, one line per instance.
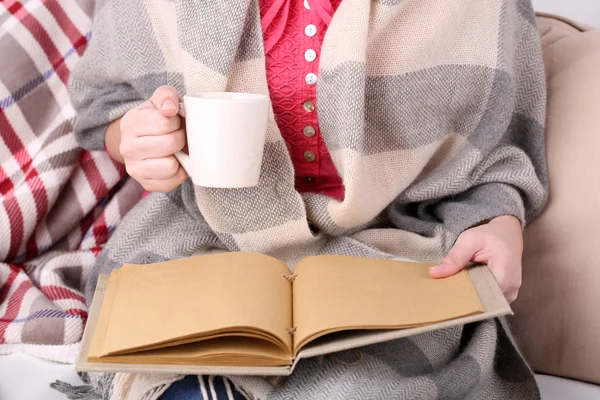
(436, 267)
(169, 105)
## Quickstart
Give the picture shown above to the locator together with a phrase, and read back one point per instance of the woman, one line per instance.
(402, 129)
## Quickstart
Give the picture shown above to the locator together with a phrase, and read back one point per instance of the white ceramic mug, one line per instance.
(225, 137)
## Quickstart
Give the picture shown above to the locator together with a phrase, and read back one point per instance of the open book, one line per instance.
(247, 313)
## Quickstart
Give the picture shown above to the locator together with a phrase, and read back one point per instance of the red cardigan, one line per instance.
(293, 35)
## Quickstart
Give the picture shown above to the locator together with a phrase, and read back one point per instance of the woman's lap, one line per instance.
(194, 387)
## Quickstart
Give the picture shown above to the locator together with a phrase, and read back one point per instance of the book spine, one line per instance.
(290, 278)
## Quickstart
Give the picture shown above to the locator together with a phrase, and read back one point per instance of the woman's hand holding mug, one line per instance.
(225, 137)
(150, 134)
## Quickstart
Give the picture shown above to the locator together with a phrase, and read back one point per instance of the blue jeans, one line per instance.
(194, 387)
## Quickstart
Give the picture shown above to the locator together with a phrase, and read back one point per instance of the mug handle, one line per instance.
(184, 159)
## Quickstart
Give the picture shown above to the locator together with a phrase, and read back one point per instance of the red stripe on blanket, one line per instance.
(13, 142)
(6, 184)
(54, 292)
(77, 311)
(16, 9)
(16, 300)
(14, 305)
(40, 196)
(77, 39)
(93, 175)
(16, 223)
(100, 230)
(97, 250)
(14, 272)
(33, 180)
(39, 33)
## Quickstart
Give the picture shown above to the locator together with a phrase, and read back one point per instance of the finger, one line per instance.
(147, 121)
(166, 100)
(153, 168)
(459, 256)
(144, 147)
(150, 122)
(165, 185)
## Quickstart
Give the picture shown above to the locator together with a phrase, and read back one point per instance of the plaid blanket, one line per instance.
(58, 203)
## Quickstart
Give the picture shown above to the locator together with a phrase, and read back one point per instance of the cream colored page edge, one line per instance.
(104, 317)
(92, 322)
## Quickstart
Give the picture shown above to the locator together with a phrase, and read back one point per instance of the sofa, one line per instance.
(556, 323)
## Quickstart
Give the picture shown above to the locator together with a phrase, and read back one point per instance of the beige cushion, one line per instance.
(557, 321)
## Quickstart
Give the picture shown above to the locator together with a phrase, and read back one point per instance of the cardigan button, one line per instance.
(310, 55)
(309, 179)
(309, 106)
(311, 78)
(310, 30)
(309, 131)
(309, 156)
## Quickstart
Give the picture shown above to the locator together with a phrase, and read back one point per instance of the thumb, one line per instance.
(166, 100)
(460, 255)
